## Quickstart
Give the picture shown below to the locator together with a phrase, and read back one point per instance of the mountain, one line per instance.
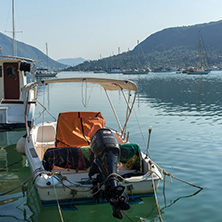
(174, 47)
(71, 61)
(27, 51)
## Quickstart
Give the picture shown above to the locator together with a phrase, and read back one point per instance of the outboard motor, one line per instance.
(106, 153)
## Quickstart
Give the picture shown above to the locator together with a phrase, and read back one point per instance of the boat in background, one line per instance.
(141, 68)
(114, 71)
(44, 72)
(200, 70)
(162, 69)
(99, 70)
(78, 160)
(12, 97)
(197, 71)
(135, 71)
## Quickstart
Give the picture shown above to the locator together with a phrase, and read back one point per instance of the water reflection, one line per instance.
(183, 94)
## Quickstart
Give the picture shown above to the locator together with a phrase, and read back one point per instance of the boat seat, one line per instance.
(45, 139)
(45, 135)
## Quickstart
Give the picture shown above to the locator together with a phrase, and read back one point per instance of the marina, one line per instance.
(185, 114)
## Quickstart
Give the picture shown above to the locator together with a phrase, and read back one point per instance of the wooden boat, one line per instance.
(12, 98)
(78, 160)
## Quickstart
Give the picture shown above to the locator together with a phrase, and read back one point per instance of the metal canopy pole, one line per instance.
(130, 109)
(117, 119)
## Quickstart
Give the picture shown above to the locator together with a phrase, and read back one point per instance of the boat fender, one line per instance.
(20, 146)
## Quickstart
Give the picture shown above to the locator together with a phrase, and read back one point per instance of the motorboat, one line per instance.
(134, 71)
(78, 159)
(114, 71)
(43, 72)
(12, 99)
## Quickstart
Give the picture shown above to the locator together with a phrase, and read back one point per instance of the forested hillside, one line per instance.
(172, 47)
(27, 51)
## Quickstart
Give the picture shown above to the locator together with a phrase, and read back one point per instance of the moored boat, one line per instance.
(114, 71)
(134, 71)
(12, 98)
(200, 70)
(45, 73)
(76, 159)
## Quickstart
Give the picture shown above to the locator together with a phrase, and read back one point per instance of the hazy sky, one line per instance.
(94, 28)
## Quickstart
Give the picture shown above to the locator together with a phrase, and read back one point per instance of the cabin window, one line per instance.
(11, 71)
(0, 71)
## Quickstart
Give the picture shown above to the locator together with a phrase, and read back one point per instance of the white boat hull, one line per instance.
(78, 159)
(69, 185)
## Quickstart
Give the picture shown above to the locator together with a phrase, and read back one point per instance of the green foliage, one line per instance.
(174, 47)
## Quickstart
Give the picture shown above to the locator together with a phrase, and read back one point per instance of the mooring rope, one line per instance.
(59, 208)
(157, 203)
(171, 176)
(22, 184)
(127, 216)
(27, 196)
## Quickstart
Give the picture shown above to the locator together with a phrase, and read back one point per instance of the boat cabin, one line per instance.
(12, 80)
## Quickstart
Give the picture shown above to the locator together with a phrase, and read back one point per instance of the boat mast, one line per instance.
(13, 26)
(47, 60)
(200, 52)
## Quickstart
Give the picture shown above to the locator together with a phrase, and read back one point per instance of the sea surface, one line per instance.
(185, 112)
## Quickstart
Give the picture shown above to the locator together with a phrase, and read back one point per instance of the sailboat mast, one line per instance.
(13, 26)
(200, 52)
(47, 60)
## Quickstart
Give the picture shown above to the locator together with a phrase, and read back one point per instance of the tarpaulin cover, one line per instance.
(77, 128)
(69, 158)
(128, 150)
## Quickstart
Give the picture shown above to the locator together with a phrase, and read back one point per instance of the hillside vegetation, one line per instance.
(27, 51)
(171, 47)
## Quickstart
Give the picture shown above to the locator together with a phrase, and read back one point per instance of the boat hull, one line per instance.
(45, 75)
(12, 115)
(198, 73)
(50, 190)
(67, 185)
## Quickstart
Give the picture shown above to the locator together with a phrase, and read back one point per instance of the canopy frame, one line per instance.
(107, 84)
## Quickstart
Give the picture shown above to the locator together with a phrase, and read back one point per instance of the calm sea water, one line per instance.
(186, 115)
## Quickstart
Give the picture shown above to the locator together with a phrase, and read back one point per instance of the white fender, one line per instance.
(20, 146)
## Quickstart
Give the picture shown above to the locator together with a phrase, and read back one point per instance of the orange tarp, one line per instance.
(77, 128)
